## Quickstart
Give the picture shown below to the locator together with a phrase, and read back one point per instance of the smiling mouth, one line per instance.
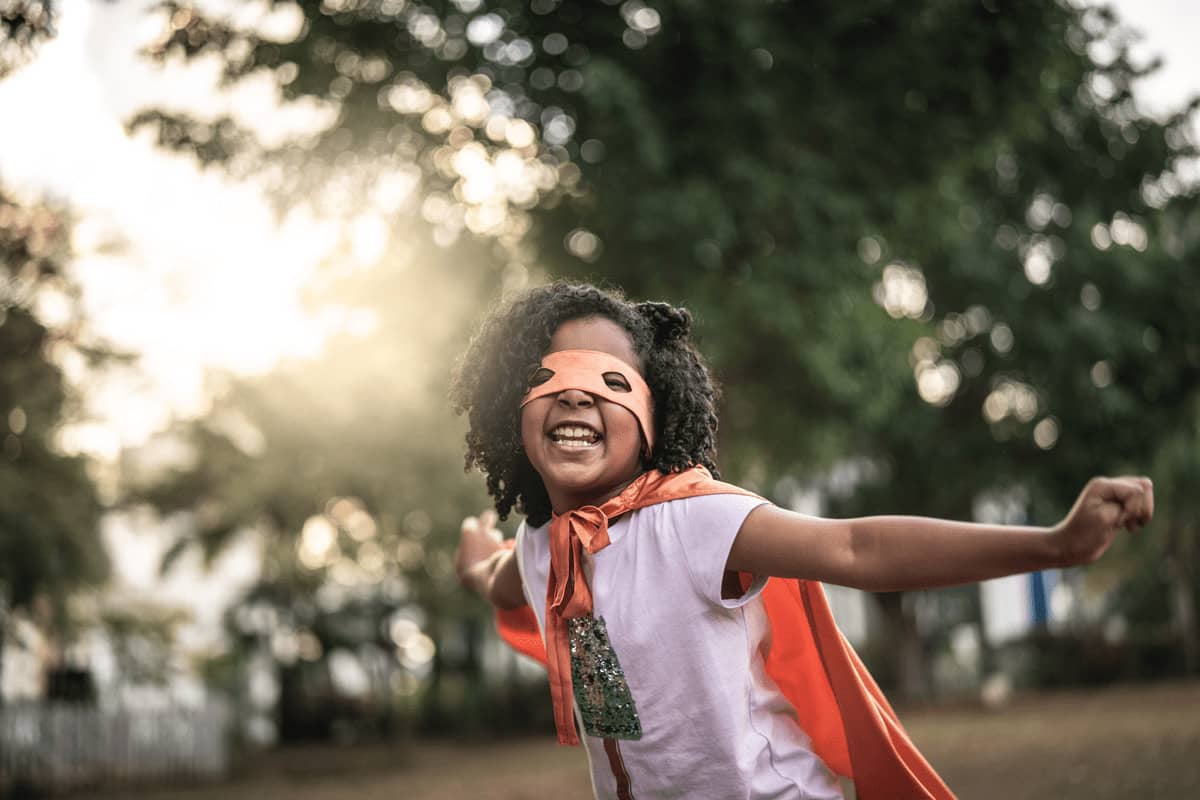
(574, 436)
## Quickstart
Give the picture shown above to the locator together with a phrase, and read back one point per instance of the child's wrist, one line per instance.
(471, 576)
(478, 576)
(1058, 552)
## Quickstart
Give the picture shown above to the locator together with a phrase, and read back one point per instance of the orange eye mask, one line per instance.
(596, 373)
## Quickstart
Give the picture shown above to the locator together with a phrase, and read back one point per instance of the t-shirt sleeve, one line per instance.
(521, 546)
(707, 527)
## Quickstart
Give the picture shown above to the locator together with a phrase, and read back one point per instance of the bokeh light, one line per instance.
(901, 291)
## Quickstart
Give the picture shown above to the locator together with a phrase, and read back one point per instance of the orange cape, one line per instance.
(853, 728)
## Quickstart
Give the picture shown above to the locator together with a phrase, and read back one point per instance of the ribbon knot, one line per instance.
(590, 525)
(570, 534)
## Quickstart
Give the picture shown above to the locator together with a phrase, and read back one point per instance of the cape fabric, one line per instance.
(853, 728)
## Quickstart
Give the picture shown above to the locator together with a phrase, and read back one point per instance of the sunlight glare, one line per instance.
(396, 188)
(318, 543)
(96, 439)
(1039, 259)
(484, 29)
(1045, 433)
(519, 133)
(901, 291)
(1011, 398)
(468, 101)
(937, 383)
(368, 238)
(410, 96)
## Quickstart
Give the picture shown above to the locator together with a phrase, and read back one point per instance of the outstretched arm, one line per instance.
(901, 553)
(485, 565)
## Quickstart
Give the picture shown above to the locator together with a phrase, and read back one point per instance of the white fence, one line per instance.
(69, 746)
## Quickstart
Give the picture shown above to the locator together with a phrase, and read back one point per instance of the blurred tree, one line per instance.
(941, 238)
(23, 25)
(343, 467)
(49, 510)
(142, 636)
(1160, 604)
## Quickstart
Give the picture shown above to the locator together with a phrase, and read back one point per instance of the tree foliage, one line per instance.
(49, 510)
(782, 157)
(23, 25)
(941, 239)
(340, 468)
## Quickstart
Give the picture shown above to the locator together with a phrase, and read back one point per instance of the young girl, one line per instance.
(687, 673)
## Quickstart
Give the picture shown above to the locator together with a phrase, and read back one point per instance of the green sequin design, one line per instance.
(603, 697)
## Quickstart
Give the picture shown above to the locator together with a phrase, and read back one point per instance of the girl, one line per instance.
(641, 580)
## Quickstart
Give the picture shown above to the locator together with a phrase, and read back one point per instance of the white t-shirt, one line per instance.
(714, 725)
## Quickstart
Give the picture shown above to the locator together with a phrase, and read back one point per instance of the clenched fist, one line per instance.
(1105, 506)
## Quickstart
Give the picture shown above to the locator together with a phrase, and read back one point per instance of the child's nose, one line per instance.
(575, 398)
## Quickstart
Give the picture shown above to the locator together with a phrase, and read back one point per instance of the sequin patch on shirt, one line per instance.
(603, 697)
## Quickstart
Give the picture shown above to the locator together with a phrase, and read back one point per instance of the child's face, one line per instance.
(576, 473)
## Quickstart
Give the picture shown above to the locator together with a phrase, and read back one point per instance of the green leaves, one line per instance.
(940, 240)
(49, 510)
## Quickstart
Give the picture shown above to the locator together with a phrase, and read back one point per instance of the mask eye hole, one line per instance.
(616, 381)
(539, 376)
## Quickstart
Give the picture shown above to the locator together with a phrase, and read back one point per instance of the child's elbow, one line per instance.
(504, 586)
(505, 600)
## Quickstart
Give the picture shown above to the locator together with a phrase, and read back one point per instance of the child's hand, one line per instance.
(478, 541)
(1104, 506)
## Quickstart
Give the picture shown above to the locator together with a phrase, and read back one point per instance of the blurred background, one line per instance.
(942, 256)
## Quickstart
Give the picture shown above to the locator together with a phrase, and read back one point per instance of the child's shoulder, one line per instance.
(698, 516)
(701, 508)
(720, 503)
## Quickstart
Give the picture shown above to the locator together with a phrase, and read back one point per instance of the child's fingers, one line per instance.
(487, 524)
(1126, 502)
(1123, 493)
(1118, 490)
(470, 525)
(1137, 508)
(1136, 499)
(1148, 495)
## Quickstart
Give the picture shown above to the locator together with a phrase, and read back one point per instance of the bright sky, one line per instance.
(205, 277)
(1169, 29)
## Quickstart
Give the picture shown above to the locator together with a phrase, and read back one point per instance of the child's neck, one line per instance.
(562, 501)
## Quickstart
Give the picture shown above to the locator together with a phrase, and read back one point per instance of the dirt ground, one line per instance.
(1125, 742)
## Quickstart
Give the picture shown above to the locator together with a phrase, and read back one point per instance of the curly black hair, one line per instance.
(491, 379)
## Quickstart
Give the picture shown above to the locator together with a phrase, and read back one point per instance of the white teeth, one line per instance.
(574, 436)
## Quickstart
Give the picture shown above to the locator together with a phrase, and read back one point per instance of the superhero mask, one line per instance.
(600, 375)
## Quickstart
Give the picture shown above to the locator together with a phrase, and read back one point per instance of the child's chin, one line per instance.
(579, 479)
(575, 477)
(566, 457)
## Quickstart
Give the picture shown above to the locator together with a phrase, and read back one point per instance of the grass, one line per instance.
(1121, 742)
